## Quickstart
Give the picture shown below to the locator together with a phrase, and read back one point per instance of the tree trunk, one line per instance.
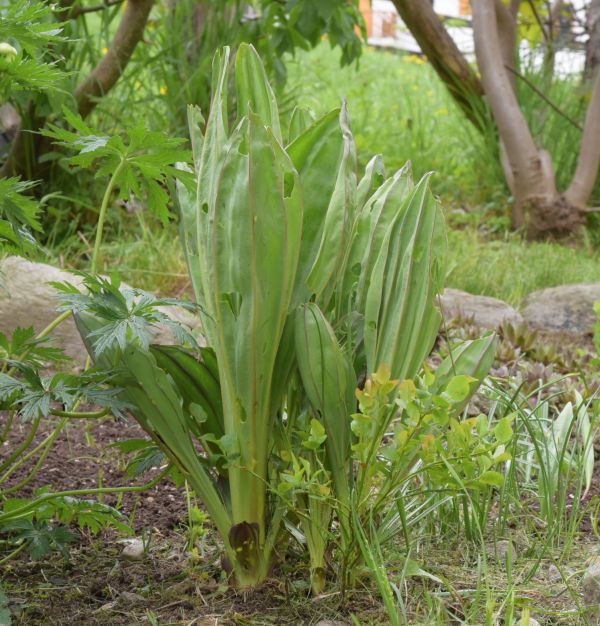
(581, 186)
(537, 208)
(592, 47)
(447, 60)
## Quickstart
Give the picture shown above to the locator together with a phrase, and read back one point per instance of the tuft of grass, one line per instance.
(144, 257)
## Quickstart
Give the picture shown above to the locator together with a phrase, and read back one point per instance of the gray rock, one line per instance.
(568, 308)
(500, 549)
(486, 312)
(26, 299)
(590, 588)
(553, 574)
(129, 597)
(133, 551)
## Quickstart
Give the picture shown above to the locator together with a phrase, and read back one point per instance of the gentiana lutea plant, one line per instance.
(306, 277)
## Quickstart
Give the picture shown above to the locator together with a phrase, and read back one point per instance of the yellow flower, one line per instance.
(162, 90)
(416, 59)
(105, 50)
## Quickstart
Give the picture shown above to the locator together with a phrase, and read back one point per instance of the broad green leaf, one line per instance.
(492, 478)
(458, 388)
(503, 431)
(472, 358)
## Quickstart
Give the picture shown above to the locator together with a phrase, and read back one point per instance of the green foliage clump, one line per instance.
(306, 277)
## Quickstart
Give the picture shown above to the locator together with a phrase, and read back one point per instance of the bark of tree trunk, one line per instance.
(588, 162)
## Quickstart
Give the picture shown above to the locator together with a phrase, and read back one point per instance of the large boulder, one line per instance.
(485, 311)
(26, 299)
(568, 308)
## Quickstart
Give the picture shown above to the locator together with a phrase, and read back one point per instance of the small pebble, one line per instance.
(590, 585)
(553, 574)
(500, 549)
(131, 598)
(133, 551)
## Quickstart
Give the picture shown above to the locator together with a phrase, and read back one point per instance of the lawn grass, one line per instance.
(506, 268)
(510, 268)
(399, 108)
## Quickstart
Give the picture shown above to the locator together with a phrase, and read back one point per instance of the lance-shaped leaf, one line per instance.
(199, 389)
(187, 207)
(209, 151)
(300, 121)
(253, 90)
(401, 321)
(316, 153)
(157, 405)
(335, 238)
(158, 408)
(370, 227)
(329, 381)
(373, 179)
(252, 247)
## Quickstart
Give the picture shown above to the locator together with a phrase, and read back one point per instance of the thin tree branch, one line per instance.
(76, 11)
(586, 172)
(539, 20)
(545, 98)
